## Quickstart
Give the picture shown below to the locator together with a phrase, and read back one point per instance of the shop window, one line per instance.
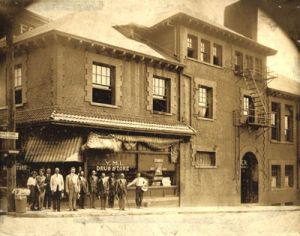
(249, 109)
(275, 121)
(249, 62)
(289, 176)
(205, 159)
(276, 176)
(161, 94)
(258, 68)
(18, 84)
(238, 62)
(205, 102)
(103, 84)
(205, 50)
(192, 46)
(217, 55)
(288, 123)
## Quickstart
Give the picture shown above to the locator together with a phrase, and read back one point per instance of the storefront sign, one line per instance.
(108, 165)
(9, 135)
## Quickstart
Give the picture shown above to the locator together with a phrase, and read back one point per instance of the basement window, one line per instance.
(18, 84)
(161, 94)
(288, 123)
(103, 84)
(289, 176)
(205, 51)
(217, 55)
(276, 176)
(205, 159)
(192, 46)
(275, 121)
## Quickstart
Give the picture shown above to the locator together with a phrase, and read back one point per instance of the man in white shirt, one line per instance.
(72, 189)
(57, 186)
(31, 184)
(139, 182)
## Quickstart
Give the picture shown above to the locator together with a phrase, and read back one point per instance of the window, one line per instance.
(161, 94)
(258, 68)
(249, 62)
(205, 50)
(103, 84)
(289, 176)
(276, 175)
(249, 109)
(288, 123)
(217, 55)
(205, 159)
(275, 121)
(192, 46)
(18, 85)
(205, 102)
(238, 61)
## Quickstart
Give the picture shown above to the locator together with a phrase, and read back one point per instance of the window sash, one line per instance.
(18, 76)
(159, 87)
(101, 75)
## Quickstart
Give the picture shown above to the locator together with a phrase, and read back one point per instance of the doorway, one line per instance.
(249, 179)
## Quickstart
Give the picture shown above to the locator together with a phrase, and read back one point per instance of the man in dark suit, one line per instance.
(112, 190)
(83, 189)
(48, 194)
(93, 188)
(103, 191)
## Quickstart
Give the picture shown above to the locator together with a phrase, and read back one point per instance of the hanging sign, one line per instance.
(9, 135)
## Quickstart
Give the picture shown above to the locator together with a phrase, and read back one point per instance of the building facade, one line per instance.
(184, 102)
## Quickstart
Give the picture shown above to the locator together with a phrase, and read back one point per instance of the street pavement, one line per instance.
(256, 220)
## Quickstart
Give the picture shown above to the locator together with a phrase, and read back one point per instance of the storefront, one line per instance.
(156, 158)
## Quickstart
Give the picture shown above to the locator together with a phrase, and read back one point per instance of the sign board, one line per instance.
(9, 135)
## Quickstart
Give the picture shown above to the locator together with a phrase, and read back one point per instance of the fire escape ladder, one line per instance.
(260, 108)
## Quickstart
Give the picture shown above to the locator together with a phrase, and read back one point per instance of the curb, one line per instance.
(134, 212)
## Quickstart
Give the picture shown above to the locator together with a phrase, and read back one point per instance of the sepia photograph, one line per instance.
(149, 117)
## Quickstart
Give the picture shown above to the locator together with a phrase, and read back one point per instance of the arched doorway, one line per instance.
(249, 179)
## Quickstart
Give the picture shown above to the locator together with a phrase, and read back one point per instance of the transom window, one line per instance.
(161, 94)
(103, 84)
(18, 84)
(205, 102)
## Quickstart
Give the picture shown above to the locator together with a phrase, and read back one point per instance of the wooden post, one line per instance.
(11, 118)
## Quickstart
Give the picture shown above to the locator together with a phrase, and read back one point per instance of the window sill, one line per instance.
(205, 63)
(207, 167)
(205, 119)
(104, 105)
(17, 105)
(161, 113)
(282, 142)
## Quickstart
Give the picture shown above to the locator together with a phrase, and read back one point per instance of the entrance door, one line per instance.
(249, 179)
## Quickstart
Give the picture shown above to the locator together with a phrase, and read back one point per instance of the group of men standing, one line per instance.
(48, 188)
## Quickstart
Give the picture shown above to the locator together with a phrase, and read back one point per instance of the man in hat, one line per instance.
(47, 200)
(139, 183)
(112, 190)
(121, 190)
(93, 188)
(103, 191)
(72, 189)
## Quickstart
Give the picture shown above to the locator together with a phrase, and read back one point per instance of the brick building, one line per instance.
(183, 101)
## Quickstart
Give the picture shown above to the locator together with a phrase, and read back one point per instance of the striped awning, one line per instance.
(53, 149)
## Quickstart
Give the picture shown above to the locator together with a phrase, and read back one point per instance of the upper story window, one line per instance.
(103, 84)
(275, 121)
(276, 176)
(192, 46)
(249, 62)
(217, 54)
(238, 61)
(249, 108)
(205, 97)
(18, 84)
(288, 123)
(258, 68)
(161, 94)
(289, 176)
(205, 50)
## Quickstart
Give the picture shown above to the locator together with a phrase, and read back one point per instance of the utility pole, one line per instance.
(10, 144)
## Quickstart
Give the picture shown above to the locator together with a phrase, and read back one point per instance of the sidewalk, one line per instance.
(153, 211)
